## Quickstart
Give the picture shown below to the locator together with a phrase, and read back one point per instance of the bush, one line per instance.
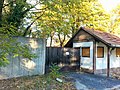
(54, 71)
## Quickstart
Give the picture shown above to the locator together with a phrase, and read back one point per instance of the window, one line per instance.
(118, 52)
(85, 51)
(100, 52)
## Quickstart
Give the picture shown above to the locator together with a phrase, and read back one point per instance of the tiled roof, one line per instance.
(107, 38)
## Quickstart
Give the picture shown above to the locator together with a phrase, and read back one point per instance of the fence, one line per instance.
(23, 67)
(63, 57)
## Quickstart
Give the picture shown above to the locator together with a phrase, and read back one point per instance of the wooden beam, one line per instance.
(94, 56)
(108, 62)
(80, 58)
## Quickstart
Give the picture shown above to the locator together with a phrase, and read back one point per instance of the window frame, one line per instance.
(85, 55)
(102, 52)
(116, 52)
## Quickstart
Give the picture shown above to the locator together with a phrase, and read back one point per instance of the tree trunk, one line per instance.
(51, 39)
(1, 7)
(73, 30)
(61, 41)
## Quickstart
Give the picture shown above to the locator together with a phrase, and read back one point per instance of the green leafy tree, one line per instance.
(62, 18)
(12, 17)
(115, 21)
(55, 21)
(89, 13)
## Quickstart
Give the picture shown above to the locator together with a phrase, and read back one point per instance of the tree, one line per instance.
(115, 21)
(12, 16)
(91, 14)
(63, 18)
(55, 20)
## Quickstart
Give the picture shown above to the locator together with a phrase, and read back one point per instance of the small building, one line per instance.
(99, 51)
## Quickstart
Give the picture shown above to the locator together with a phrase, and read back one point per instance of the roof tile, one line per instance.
(107, 37)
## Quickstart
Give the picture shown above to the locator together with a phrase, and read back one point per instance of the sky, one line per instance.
(108, 5)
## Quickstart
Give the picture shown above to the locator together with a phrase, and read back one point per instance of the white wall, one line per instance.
(101, 63)
(114, 61)
(85, 61)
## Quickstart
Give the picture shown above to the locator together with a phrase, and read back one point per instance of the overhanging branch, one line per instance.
(26, 30)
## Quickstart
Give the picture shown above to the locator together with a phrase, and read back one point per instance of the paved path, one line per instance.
(85, 81)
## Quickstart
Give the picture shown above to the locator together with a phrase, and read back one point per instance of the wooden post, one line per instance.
(80, 59)
(108, 62)
(94, 56)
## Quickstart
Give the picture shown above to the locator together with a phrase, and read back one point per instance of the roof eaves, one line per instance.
(92, 34)
(95, 36)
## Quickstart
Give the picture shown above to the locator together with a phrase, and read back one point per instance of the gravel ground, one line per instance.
(85, 81)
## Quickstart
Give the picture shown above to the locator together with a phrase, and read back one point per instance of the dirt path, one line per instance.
(85, 81)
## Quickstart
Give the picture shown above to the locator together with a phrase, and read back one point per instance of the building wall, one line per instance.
(83, 39)
(23, 67)
(85, 62)
(101, 63)
(82, 36)
(114, 64)
(114, 60)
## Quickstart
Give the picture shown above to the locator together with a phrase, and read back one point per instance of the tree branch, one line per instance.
(26, 30)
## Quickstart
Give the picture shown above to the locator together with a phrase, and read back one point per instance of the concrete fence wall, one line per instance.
(23, 67)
